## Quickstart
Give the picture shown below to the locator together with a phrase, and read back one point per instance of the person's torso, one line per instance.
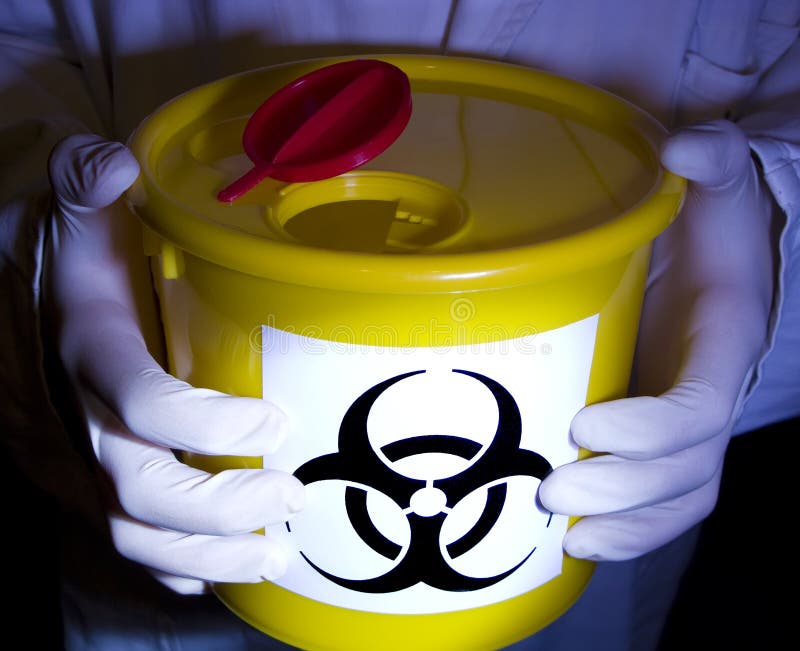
(678, 59)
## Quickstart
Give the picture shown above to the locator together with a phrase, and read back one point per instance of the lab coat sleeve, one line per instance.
(771, 119)
(42, 100)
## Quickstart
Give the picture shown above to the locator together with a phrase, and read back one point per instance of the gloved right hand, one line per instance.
(187, 526)
(704, 326)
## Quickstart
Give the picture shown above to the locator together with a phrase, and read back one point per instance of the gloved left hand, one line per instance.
(703, 327)
(185, 525)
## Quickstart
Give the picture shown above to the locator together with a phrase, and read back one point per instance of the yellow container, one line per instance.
(430, 322)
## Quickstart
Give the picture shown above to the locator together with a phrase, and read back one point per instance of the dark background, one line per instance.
(740, 589)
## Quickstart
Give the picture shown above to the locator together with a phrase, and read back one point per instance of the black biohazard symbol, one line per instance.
(357, 462)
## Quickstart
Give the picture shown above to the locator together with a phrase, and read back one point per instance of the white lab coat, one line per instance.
(103, 65)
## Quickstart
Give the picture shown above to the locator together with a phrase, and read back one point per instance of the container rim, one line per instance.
(441, 272)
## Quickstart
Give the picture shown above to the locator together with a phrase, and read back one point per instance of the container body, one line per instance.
(213, 322)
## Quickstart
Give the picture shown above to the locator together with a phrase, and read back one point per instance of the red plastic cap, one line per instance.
(325, 123)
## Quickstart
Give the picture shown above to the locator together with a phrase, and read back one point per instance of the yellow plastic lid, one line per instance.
(503, 176)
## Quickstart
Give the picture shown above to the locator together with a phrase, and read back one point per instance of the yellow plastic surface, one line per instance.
(532, 197)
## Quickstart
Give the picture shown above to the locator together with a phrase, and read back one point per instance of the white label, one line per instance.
(422, 466)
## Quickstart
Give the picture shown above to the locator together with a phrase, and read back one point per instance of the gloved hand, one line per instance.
(187, 526)
(703, 326)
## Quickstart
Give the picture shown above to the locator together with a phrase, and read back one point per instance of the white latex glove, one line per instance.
(703, 327)
(187, 526)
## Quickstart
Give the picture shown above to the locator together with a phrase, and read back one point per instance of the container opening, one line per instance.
(372, 226)
(368, 211)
